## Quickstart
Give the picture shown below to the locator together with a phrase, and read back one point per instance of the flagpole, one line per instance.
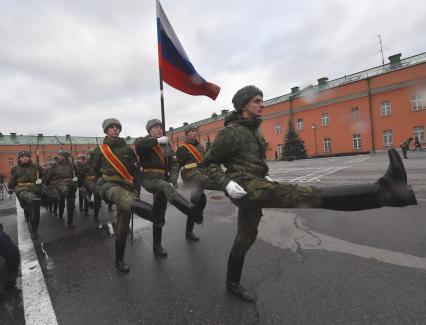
(163, 118)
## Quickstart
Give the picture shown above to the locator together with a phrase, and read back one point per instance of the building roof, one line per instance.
(361, 75)
(20, 139)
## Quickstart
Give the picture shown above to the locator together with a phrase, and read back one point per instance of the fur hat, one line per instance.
(64, 153)
(110, 121)
(152, 123)
(189, 127)
(244, 95)
(24, 153)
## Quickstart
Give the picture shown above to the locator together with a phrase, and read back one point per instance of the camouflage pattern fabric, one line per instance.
(25, 173)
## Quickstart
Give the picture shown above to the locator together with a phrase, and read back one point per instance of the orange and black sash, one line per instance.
(116, 163)
(160, 153)
(193, 151)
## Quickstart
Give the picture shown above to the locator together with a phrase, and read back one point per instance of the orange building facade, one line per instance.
(367, 111)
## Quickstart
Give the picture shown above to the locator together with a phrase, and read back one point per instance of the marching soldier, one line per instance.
(115, 165)
(62, 176)
(52, 192)
(82, 203)
(87, 186)
(159, 177)
(241, 148)
(26, 182)
(190, 156)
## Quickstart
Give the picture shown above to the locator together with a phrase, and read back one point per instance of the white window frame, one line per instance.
(277, 128)
(299, 124)
(417, 103)
(355, 113)
(419, 131)
(387, 138)
(327, 144)
(356, 141)
(325, 119)
(385, 108)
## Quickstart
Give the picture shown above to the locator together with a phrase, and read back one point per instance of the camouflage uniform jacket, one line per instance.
(149, 159)
(24, 173)
(61, 170)
(124, 153)
(85, 174)
(184, 157)
(241, 148)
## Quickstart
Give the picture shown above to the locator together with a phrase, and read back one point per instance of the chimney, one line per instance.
(322, 81)
(224, 111)
(185, 123)
(40, 136)
(395, 60)
(13, 135)
(295, 90)
(67, 137)
(171, 128)
(214, 115)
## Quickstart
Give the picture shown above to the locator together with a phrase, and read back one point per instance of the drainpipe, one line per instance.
(370, 108)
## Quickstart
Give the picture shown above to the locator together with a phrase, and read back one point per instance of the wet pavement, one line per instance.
(308, 266)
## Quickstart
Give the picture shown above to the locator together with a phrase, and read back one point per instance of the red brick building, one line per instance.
(363, 112)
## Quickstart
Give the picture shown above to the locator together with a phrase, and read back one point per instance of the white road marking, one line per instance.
(287, 231)
(38, 307)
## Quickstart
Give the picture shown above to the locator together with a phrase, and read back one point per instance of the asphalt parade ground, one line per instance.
(308, 266)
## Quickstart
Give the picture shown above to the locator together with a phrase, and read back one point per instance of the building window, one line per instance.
(10, 161)
(356, 141)
(355, 113)
(387, 138)
(419, 131)
(280, 150)
(385, 108)
(299, 124)
(416, 103)
(277, 128)
(325, 120)
(327, 144)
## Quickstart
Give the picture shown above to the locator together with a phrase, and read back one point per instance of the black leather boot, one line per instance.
(96, 207)
(189, 234)
(389, 190)
(55, 208)
(198, 198)
(27, 214)
(142, 209)
(120, 247)
(159, 207)
(70, 212)
(35, 217)
(233, 276)
(157, 247)
(185, 206)
(80, 201)
(61, 205)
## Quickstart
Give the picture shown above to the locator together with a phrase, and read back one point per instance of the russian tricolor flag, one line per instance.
(177, 70)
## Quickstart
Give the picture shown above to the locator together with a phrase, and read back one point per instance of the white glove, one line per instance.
(235, 190)
(38, 182)
(75, 179)
(163, 140)
(173, 185)
(268, 178)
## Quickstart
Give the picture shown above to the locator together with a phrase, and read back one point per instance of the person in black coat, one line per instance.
(9, 262)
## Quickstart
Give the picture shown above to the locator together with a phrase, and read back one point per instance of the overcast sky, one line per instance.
(67, 65)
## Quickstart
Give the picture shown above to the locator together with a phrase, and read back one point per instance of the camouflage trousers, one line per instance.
(156, 184)
(264, 194)
(123, 199)
(25, 198)
(63, 189)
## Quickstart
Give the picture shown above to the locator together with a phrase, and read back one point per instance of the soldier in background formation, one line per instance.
(190, 156)
(63, 178)
(52, 201)
(405, 146)
(116, 166)
(87, 186)
(241, 148)
(25, 181)
(417, 144)
(160, 172)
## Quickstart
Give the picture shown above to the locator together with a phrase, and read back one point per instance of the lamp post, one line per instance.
(314, 127)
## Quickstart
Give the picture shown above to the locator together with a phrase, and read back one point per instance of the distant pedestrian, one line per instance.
(417, 144)
(404, 147)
